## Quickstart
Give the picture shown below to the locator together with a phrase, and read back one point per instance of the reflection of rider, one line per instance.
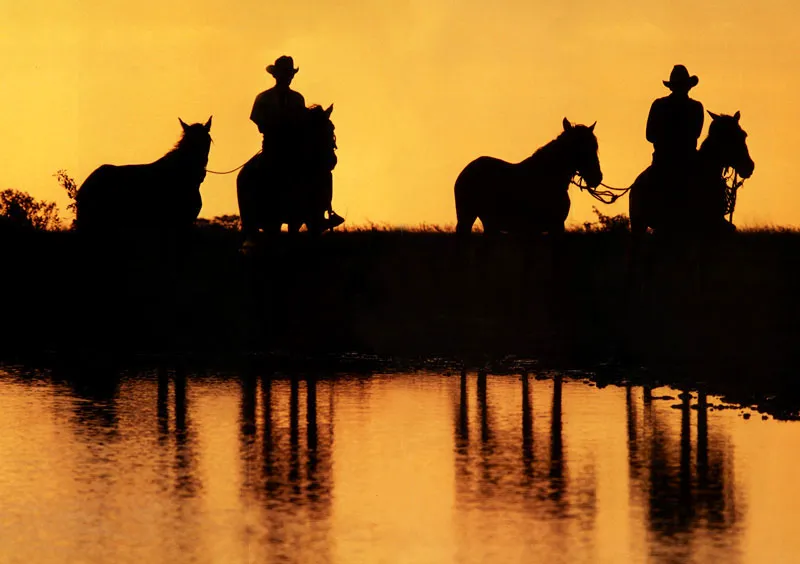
(277, 112)
(674, 125)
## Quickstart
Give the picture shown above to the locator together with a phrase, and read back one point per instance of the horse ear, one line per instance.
(328, 111)
(183, 124)
(591, 127)
(737, 115)
(567, 125)
(208, 124)
(712, 114)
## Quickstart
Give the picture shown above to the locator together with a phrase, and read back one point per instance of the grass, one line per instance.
(722, 314)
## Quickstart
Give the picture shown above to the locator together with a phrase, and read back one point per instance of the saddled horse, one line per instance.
(164, 194)
(696, 204)
(529, 197)
(296, 191)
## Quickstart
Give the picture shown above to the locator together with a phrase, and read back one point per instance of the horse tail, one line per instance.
(465, 200)
(88, 208)
(639, 206)
(247, 194)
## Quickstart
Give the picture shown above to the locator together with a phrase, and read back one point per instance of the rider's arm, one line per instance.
(297, 101)
(699, 116)
(652, 123)
(256, 115)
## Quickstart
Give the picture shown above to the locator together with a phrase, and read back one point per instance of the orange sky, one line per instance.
(420, 87)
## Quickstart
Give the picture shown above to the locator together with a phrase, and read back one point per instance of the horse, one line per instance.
(529, 197)
(296, 190)
(698, 204)
(162, 195)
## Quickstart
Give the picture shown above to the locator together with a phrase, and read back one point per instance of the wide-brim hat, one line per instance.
(283, 65)
(679, 79)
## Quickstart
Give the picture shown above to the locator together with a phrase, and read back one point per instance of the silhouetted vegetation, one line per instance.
(70, 187)
(226, 222)
(21, 210)
(620, 223)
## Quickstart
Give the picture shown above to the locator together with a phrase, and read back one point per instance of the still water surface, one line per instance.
(424, 468)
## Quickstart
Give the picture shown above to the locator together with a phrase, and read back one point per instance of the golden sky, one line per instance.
(420, 88)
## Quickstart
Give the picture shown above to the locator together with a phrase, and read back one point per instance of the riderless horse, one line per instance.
(529, 197)
(164, 194)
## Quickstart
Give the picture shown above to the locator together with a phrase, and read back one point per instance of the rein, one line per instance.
(233, 169)
(607, 196)
(611, 194)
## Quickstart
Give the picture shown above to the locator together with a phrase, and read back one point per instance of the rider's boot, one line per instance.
(334, 219)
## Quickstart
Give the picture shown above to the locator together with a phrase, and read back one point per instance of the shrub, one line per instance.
(620, 223)
(20, 209)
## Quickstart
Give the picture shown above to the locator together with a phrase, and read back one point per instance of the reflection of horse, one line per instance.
(699, 205)
(164, 194)
(530, 196)
(296, 191)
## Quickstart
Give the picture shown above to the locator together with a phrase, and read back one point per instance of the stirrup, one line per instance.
(334, 220)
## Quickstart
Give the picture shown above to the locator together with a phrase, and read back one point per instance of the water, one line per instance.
(388, 468)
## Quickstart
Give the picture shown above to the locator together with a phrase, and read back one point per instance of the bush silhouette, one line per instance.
(608, 223)
(70, 186)
(20, 209)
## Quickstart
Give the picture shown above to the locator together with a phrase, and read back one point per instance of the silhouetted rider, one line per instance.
(277, 110)
(278, 113)
(674, 125)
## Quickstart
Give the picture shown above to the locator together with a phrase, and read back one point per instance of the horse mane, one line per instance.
(546, 150)
(722, 120)
(182, 142)
(190, 149)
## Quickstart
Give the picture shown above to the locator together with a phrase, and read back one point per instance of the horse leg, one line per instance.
(464, 222)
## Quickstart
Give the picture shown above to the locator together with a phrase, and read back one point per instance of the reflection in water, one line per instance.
(687, 496)
(556, 473)
(187, 482)
(171, 467)
(527, 430)
(511, 472)
(291, 483)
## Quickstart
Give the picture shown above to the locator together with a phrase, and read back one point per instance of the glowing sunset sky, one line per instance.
(420, 88)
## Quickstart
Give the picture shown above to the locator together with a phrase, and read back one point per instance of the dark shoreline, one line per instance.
(723, 316)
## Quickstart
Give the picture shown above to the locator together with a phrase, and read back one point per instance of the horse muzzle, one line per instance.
(746, 170)
(593, 180)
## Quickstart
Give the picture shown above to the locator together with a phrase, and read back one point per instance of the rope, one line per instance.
(611, 193)
(731, 190)
(729, 176)
(234, 169)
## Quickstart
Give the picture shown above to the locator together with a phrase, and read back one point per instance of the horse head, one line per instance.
(730, 143)
(582, 147)
(196, 140)
(322, 135)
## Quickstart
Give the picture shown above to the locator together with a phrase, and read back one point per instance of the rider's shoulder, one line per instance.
(266, 94)
(297, 96)
(659, 102)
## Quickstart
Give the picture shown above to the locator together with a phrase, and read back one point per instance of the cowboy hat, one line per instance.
(679, 78)
(283, 65)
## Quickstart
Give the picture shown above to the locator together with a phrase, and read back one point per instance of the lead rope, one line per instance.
(234, 169)
(610, 192)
